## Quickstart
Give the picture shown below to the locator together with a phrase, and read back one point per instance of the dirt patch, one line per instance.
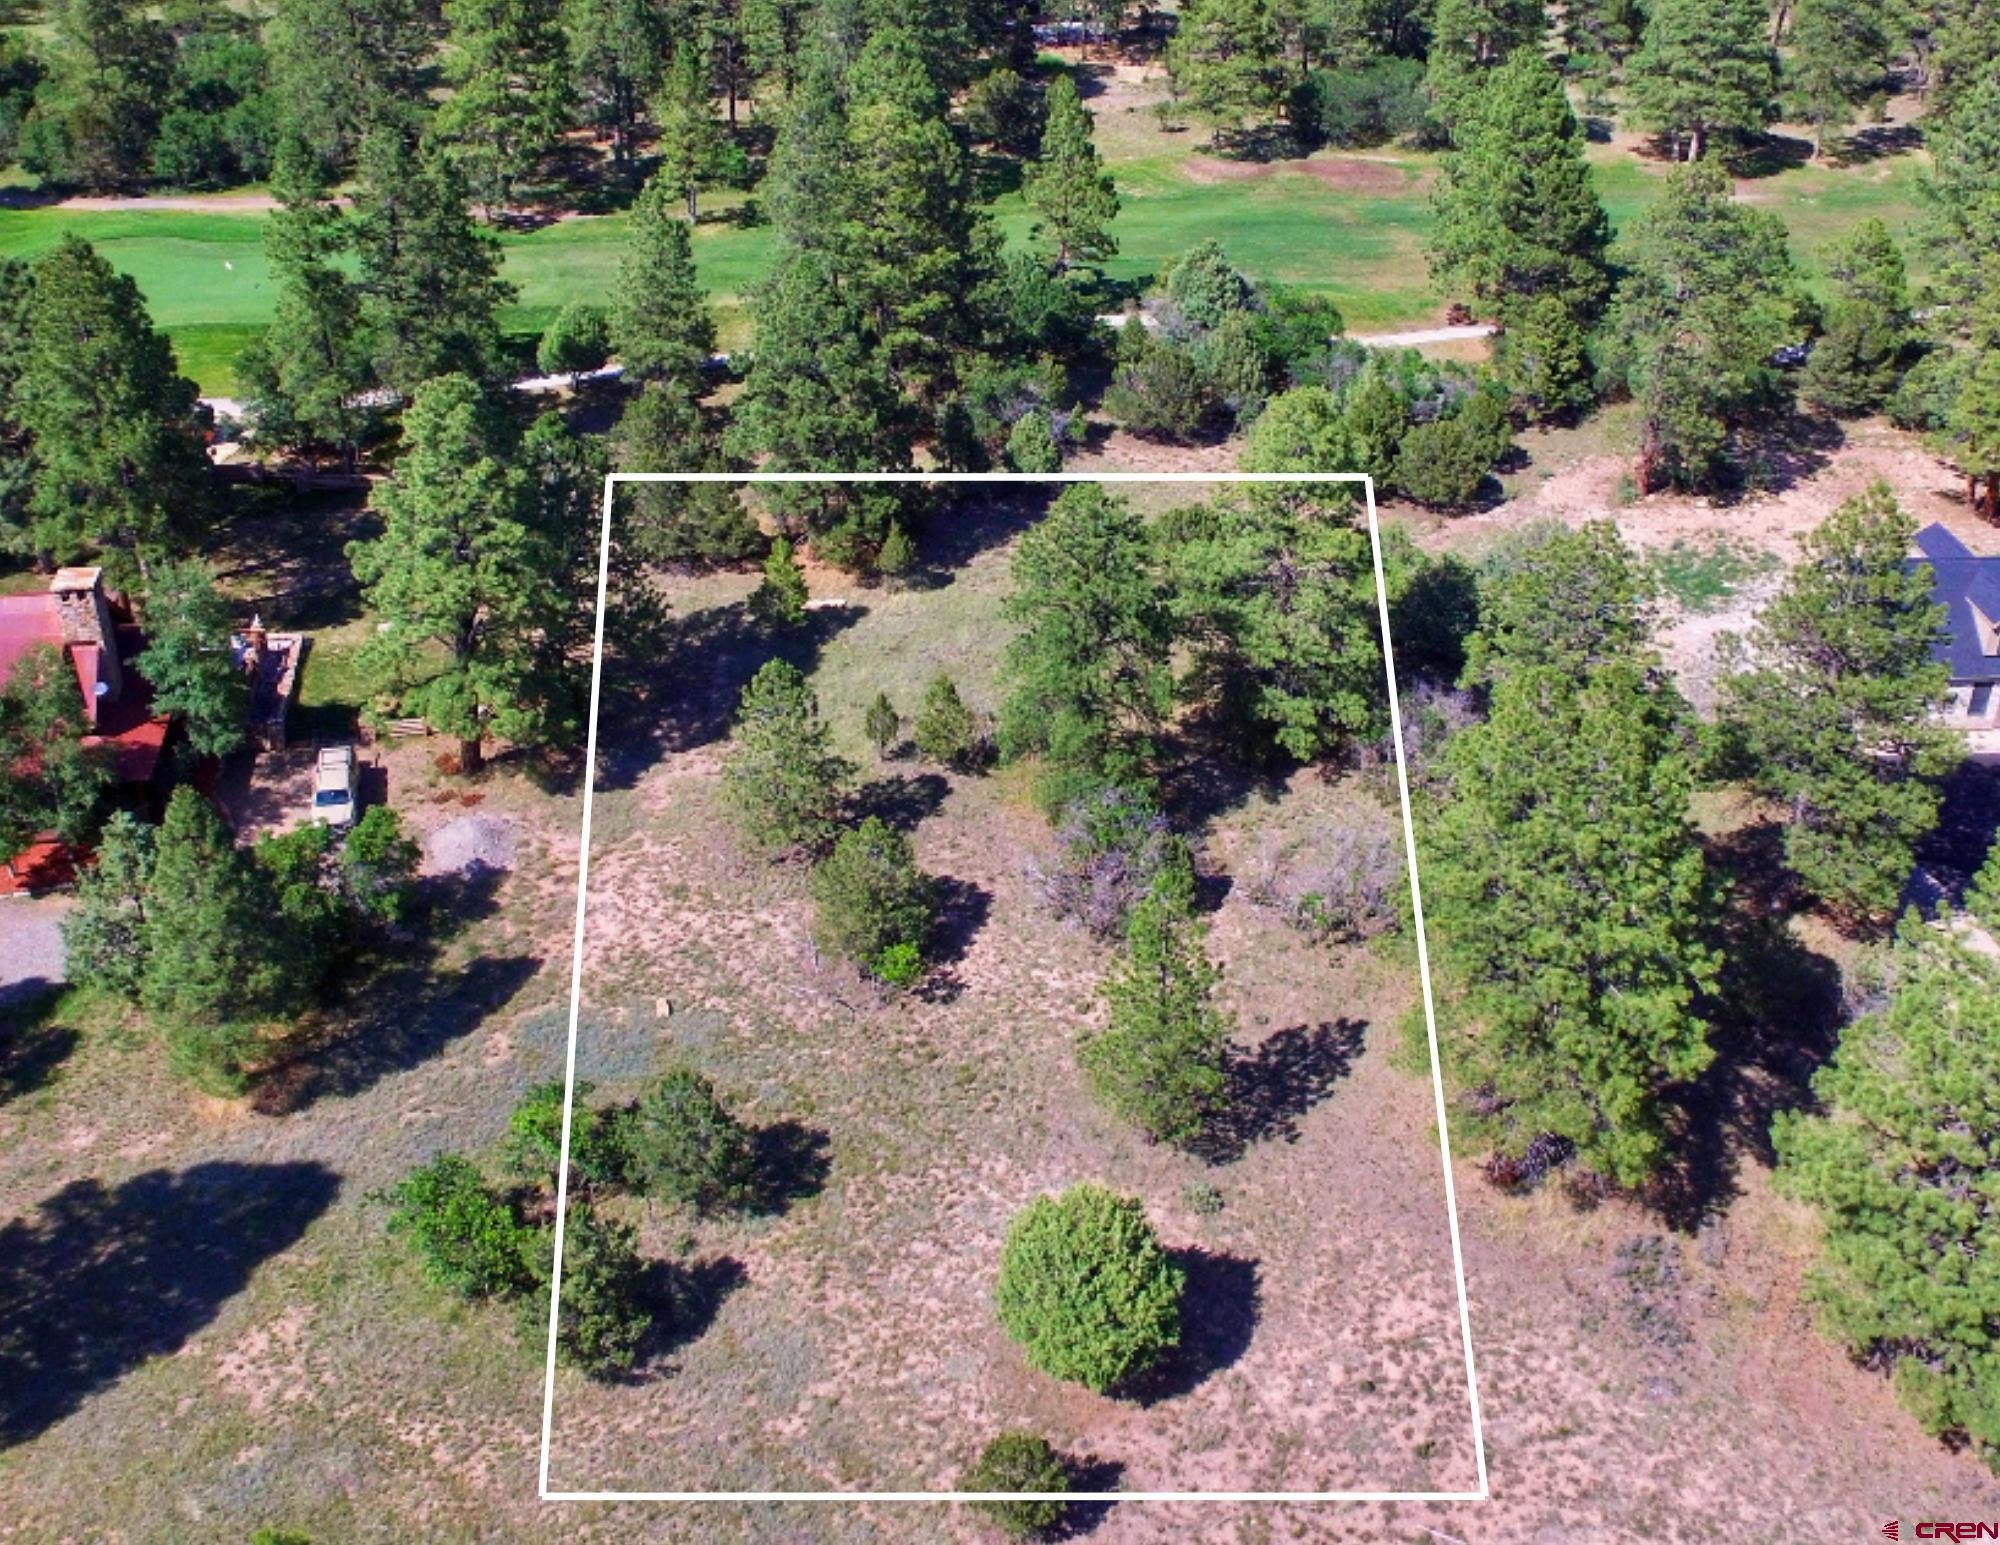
(470, 843)
(1352, 174)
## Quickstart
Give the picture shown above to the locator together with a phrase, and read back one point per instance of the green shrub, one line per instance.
(1161, 393)
(533, 1147)
(1443, 463)
(579, 339)
(1982, 896)
(869, 896)
(1086, 1288)
(1032, 444)
(882, 723)
(780, 600)
(465, 1235)
(945, 730)
(781, 783)
(1019, 1461)
(681, 1145)
(1371, 104)
(378, 864)
(604, 1319)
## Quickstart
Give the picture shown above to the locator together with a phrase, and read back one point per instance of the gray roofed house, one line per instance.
(1968, 587)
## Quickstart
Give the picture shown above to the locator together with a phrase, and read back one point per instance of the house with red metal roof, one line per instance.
(99, 642)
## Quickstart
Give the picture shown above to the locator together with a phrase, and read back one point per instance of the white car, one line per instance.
(336, 787)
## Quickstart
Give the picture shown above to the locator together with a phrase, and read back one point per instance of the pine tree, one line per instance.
(871, 903)
(914, 245)
(49, 780)
(98, 105)
(1704, 69)
(1470, 38)
(1161, 1061)
(1275, 596)
(618, 52)
(1225, 62)
(678, 525)
(211, 972)
(689, 136)
(1971, 431)
(1839, 58)
(344, 67)
(507, 64)
(104, 935)
(305, 370)
(1899, 1161)
(1573, 910)
(683, 1146)
(782, 781)
(187, 661)
(661, 329)
(808, 189)
(1565, 600)
(117, 462)
(883, 723)
(945, 730)
(1709, 295)
(820, 398)
(1859, 355)
(461, 579)
(1834, 723)
(1068, 186)
(1963, 192)
(1519, 227)
(604, 1319)
(773, 31)
(1088, 677)
(780, 598)
(430, 278)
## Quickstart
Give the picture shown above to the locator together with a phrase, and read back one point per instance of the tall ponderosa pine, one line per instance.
(1834, 722)
(507, 64)
(1839, 58)
(1705, 68)
(1709, 295)
(1226, 63)
(430, 277)
(821, 398)
(1901, 1166)
(689, 136)
(343, 67)
(211, 974)
(915, 246)
(661, 329)
(1569, 896)
(1866, 335)
(1570, 600)
(1519, 228)
(618, 52)
(782, 781)
(679, 525)
(461, 578)
(187, 661)
(1068, 187)
(303, 374)
(807, 190)
(1161, 1062)
(1088, 678)
(1470, 39)
(1275, 594)
(117, 461)
(104, 935)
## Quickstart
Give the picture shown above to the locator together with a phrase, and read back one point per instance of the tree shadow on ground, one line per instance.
(684, 1300)
(959, 909)
(406, 1010)
(1276, 1083)
(902, 800)
(1203, 782)
(691, 691)
(1776, 1018)
(101, 1279)
(31, 1048)
(1219, 1313)
(792, 1165)
(1088, 1472)
(974, 518)
(1879, 143)
(1766, 155)
(1786, 450)
(1967, 822)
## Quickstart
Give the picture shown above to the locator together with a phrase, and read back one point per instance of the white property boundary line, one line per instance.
(1423, 968)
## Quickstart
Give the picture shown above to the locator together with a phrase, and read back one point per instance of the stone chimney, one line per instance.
(85, 617)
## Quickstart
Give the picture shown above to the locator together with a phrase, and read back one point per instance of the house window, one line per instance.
(1981, 706)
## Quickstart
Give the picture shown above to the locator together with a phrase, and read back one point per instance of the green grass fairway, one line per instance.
(1350, 227)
